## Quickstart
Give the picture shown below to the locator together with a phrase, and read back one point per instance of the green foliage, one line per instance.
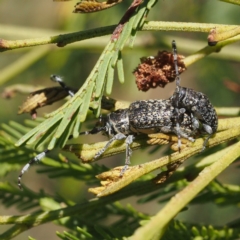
(162, 203)
(179, 230)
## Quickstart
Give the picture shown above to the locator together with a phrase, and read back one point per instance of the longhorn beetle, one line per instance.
(183, 114)
(142, 117)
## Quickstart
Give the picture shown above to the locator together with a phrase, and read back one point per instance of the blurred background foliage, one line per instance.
(30, 19)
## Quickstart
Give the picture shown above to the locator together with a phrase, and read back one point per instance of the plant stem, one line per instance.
(64, 39)
(208, 50)
(183, 26)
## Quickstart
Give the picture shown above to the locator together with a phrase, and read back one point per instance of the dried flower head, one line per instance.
(41, 98)
(157, 71)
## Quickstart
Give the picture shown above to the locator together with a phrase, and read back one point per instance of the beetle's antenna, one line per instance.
(41, 155)
(28, 165)
(59, 80)
(174, 49)
(93, 131)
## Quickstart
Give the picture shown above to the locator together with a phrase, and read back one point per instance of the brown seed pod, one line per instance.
(157, 71)
(89, 6)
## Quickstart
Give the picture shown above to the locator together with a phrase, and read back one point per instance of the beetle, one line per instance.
(142, 117)
(186, 113)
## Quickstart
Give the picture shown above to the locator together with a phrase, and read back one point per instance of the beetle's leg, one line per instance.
(128, 141)
(182, 134)
(177, 131)
(205, 142)
(195, 123)
(209, 131)
(179, 137)
(119, 136)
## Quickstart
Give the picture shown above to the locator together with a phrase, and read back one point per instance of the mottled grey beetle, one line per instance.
(185, 114)
(142, 117)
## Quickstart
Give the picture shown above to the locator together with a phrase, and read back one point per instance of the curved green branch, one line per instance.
(64, 39)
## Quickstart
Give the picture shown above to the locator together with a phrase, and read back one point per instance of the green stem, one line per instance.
(208, 50)
(183, 26)
(60, 40)
(64, 39)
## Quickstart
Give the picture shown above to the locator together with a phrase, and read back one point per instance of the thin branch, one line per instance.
(216, 35)
(208, 50)
(183, 26)
(60, 40)
(86, 152)
(64, 39)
